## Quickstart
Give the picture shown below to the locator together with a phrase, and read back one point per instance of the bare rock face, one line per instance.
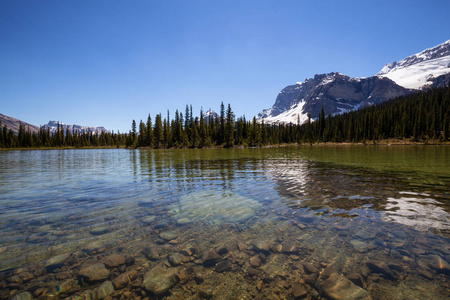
(158, 281)
(337, 287)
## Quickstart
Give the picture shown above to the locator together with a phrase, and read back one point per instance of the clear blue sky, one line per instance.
(109, 62)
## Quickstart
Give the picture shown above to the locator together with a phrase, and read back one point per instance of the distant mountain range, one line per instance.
(339, 93)
(53, 127)
(13, 124)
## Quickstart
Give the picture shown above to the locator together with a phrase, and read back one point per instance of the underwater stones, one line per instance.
(99, 230)
(288, 248)
(56, 261)
(114, 260)
(210, 258)
(261, 246)
(310, 268)
(214, 207)
(124, 279)
(158, 281)
(105, 289)
(337, 287)
(359, 246)
(299, 291)
(206, 293)
(365, 235)
(23, 296)
(255, 262)
(175, 259)
(168, 235)
(223, 266)
(94, 272)
(95, 247)
(151, 252)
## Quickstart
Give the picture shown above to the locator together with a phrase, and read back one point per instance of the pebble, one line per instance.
(149, 219)
(94, 272)
(23, 296)
(206, 293)
(151, 252)
(158, 281)
(125, 279)
(223, 266)
(175, 259)
(255, 262)
(114, 260)
(99, 230)
(380, 267)
(261, 246)
(105, 289)
(168, 235)
(337, 287)
(299, 291)
(56, 261)
(210, 258)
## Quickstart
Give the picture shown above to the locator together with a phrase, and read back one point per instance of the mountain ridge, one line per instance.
(339, 93)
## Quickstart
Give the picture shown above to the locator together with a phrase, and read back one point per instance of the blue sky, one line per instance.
(109, 62)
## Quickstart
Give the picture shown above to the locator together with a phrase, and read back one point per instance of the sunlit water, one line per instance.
(377, 215)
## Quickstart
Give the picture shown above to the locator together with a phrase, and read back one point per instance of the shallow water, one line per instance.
(278, 222)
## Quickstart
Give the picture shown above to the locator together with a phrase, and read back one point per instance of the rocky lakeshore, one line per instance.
(298, 256)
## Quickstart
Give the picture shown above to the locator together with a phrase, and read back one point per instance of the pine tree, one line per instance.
(158, 131)
(229, 128)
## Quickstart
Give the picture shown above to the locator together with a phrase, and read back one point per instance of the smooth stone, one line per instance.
(261, 246)
(158, 281)
(168, 235)
(95, 247)
(56, 260)
(70, 285)
(151, 252)
(99, 230)
(241, 246)
(23, 296)
(299, 291)
(114, 260)
(288, 248)
(359, 246)
(105, 289)
(210, 258)
(310, 268)
(337, 287)
(149, 219)
(222, 266)
(206, 293)
(125, 279)
(94, 272)
(175, 259)
(184, 221)
(255, 262)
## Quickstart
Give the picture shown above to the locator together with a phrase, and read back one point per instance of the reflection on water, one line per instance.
(226, 223)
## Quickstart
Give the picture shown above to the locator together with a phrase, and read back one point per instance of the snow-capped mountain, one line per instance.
(53, 127)
(419, 71)
(339, 93)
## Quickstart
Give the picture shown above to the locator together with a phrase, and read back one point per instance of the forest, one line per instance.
(418, 117)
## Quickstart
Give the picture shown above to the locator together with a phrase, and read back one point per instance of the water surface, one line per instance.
(277, 219)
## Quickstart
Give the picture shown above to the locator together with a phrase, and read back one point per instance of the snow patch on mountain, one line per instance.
(293, 115)
(417, 71)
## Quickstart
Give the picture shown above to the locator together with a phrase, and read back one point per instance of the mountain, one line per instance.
(419, 71)
(53, 127)
(13, 124)
(339, 93)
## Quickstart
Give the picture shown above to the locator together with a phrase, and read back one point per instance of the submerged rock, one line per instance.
(299, 291)
(435, 262)
(215, 207)
(337, 287)
(125, 279)
(114, 260)
(151, 252)
(94, 272)
(23, 296)
(168, 235)
(105, 289)
(158, 281)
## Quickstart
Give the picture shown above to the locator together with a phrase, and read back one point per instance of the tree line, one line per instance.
(417, 117)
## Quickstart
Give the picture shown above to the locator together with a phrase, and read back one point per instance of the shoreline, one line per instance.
(386, 142)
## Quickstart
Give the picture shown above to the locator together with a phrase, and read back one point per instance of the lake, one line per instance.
(344, 222)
